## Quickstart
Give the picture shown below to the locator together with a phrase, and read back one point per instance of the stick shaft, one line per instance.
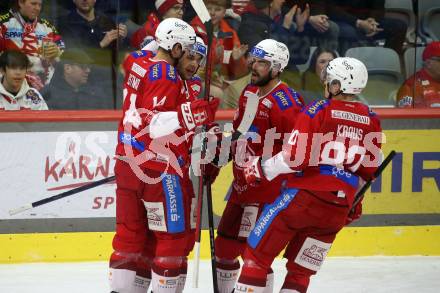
(62, 195)
(360, 194)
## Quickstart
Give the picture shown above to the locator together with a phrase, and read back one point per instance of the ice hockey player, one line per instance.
(334, 144)
(154, 191)
(277, 107)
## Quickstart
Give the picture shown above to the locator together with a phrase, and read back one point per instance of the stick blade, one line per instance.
(201, 10)
(249, 112)
(20, 209)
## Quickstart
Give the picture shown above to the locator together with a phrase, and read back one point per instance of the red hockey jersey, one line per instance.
(150, 87)
(276, 113)
(332, 144)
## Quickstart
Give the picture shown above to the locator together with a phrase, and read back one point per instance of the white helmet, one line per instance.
(171, 31)
(273, 51)
(350, 72)
(200, 48)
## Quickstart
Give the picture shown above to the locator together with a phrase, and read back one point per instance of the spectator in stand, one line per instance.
(362, 22)
(95, 33)
(85, 27)
(22, 29)
(423, 88)
(15, 92)
(70, 88)
(229, 67)
(264, 19)
(164, 9)
(319, 30)
(311, 84)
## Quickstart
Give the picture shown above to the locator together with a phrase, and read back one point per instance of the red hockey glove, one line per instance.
(197, 113)
(213, 134)
(354, 214)
(252, 171)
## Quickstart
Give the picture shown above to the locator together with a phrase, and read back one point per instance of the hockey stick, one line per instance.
(61, 195)
(361, 193)
(203, 14)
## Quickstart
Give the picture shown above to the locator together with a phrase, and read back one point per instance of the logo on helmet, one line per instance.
(181, 25)
(347, 66)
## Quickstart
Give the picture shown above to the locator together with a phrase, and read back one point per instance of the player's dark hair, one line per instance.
(14, 59)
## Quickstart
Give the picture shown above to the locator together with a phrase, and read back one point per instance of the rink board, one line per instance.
(401, 211)
(93, 246)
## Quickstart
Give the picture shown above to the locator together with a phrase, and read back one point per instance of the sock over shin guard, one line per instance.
(227, 274)
(165, 274)
(182, 277)
(269, 282)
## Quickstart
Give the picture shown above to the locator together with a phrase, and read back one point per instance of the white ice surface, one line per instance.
(366, 274)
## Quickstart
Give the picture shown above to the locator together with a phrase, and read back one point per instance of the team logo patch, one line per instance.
(155, 216)
(315, 107)
(248, 221)
(34, 97)
(344, 115)
(282, 99)
(138, 70)
(171, 73)
(155, 72)
(312, 254)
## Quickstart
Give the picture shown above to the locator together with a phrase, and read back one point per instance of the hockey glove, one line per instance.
(198, 112)
(253, 173)
(214, 136)
(354, 214)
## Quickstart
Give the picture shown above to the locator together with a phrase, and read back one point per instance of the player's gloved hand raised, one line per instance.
(197, 113)
(252, 171)
(354, 214)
